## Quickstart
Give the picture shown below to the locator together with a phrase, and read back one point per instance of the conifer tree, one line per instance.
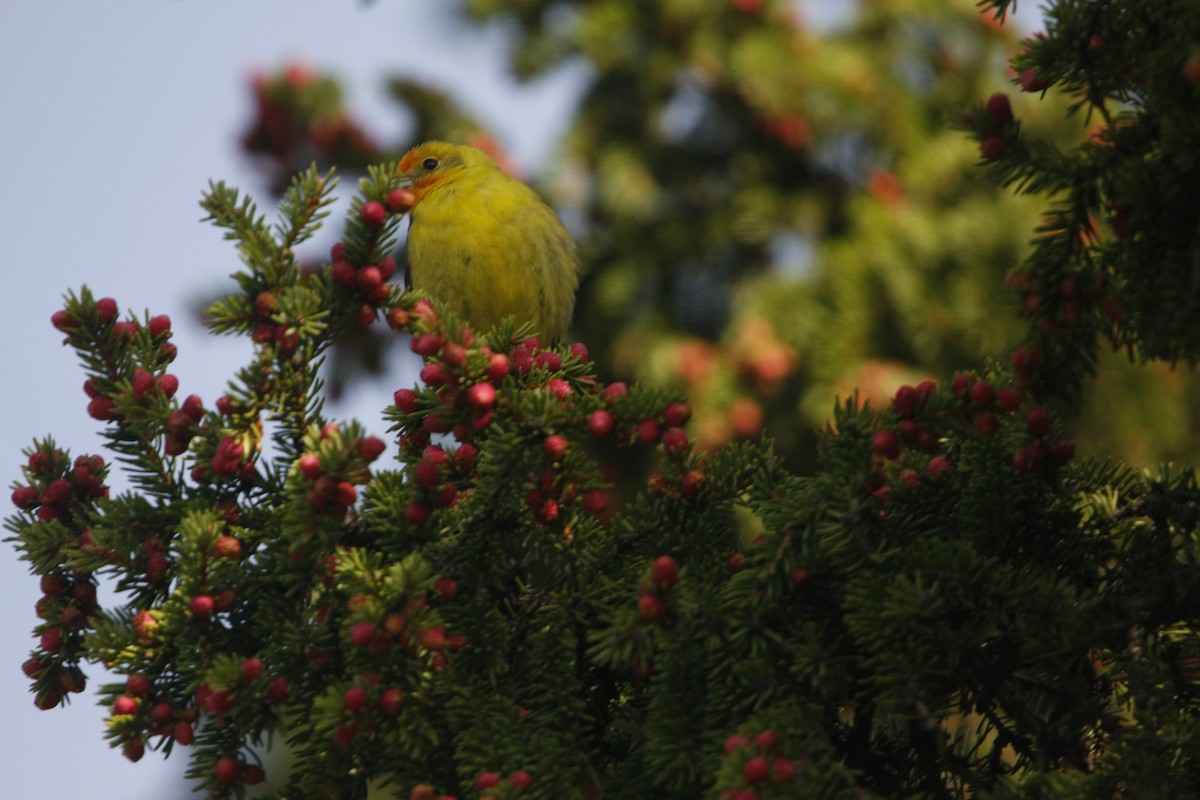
(540, 586)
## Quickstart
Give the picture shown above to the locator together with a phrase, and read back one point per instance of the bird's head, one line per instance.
(432, 163)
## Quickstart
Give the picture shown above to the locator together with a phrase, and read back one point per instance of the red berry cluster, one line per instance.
(95, 323)
(144, 713)
(233, 771)
(1040, 449)
(1060, 304)
(977, 406)
(299, 119)
(231, 458)
(183, 424)
(157, 563)
(913, 428)
(679, 476)
(1059, 311)
(230, 681)
(67, 606)
(998, 132)
(68, 603)
(519, 780)
(985, 403)
(101, 314)
(997, 128)
(378, 631)
(377, 627)
(441, 477)
(61, 491)
(558, 484)
(205, 604)
(463, 392)
(136, 390)
(463, 379)
(762, 768)
(365, 702)
(284, 336)
(333, 468)
(367, 281)
(58, 489)
(664, 574)
(145, 625)
(1031, 81)
(461, 373)
(214, 701)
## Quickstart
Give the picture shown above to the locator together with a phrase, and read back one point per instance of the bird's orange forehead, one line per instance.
(410, 158)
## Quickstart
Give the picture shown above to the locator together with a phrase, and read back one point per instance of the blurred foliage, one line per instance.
(772, 213)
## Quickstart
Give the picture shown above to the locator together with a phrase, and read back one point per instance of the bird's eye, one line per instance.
(430, 164)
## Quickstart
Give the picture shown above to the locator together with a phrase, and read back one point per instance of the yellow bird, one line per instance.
(484, 244)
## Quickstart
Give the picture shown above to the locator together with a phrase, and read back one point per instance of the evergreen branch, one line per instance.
(304, 205)
(242, 223)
